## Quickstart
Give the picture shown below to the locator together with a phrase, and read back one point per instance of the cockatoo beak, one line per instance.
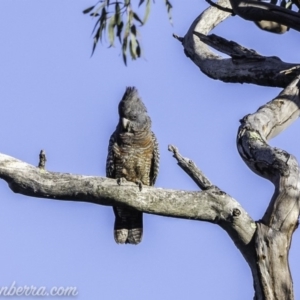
(125, 123)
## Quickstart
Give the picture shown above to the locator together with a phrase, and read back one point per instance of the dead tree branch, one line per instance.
(261, 11)
(274, 233)
(258, 69)
(211, 205)
(191, 169)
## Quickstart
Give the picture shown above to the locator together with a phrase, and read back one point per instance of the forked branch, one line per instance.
(191, 169)
(210, 205)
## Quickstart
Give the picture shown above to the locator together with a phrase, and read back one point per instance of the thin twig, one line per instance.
(175, 36)
(42, 161)
(191, 169)
(230, 48)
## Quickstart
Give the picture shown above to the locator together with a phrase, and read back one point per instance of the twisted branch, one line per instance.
(246, 68)
(275, 229)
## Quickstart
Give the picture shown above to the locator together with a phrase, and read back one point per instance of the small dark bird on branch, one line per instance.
(133, 155)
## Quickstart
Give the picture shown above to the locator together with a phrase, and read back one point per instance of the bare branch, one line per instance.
(272, 163)
(267, 72)
(258, 11)
(210, 205)
(179, 38)
(191, 169)
(230, 48)
(232, 225)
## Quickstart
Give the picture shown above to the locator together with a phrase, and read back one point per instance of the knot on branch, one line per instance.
(236, 212)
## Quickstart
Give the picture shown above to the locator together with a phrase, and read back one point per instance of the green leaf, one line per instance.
(102, 28)
(289, 5)
(96, 39)
(128, 26)
(103, 15)
(133, 45)
(130, 16)
(111, 34)
(169, 8)
(119, 30)
(136, 17)
(118, 13)
(96, 12)
(117, 20)
(87, 10)
(124, 48)
(102, 23)
(96, 25)
(147, 11)
(133, 30)
(141, 2)
(138, 49)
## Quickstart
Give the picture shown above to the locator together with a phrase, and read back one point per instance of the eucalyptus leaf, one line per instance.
(119, 31)
(147, 11)
(136, 17)
(141, 2)
(138, 49)
(124, 48)
(133, 30)
(132, 47)
(111, 34)
(87, 10)
(118, 13)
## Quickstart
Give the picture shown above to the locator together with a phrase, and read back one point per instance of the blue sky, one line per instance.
(55, 97)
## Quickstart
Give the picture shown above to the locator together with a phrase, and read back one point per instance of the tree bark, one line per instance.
(245, 66)
(211, 205)
(259, 11)
(268, 251)
(272, 277)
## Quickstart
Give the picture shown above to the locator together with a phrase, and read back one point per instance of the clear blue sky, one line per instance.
(55, 97)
